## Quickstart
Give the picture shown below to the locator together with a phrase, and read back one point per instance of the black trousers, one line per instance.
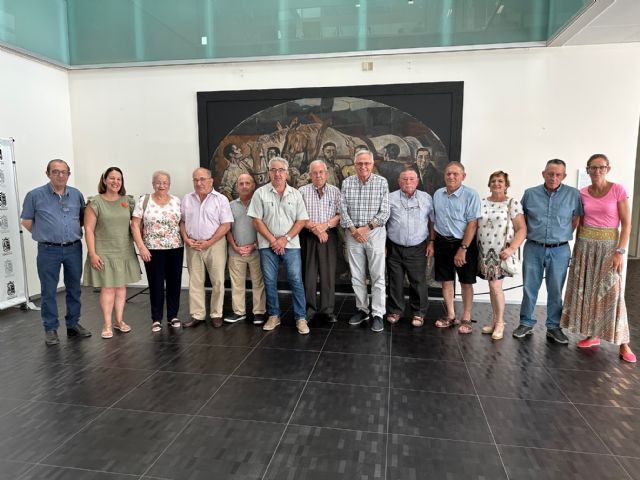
(412, 262)
(165, 267)
(319, 258)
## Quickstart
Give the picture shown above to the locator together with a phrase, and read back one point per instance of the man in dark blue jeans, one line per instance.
(53, 214)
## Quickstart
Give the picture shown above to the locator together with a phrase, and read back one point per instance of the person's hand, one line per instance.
(96, 262)
(323, 237)
(461, 258)
(245, 250)
(145, 254)
(362, 234)
(506, 253)
(278, 245)
(191, 243)
(430, 249)
(320, 228)
(618, 262)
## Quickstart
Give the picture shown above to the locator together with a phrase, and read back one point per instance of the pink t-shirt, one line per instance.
(603, 212)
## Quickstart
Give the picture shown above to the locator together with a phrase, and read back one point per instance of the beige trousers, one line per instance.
(213, 261)
(238, 275)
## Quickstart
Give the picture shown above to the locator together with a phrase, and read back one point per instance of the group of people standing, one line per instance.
(387, 235)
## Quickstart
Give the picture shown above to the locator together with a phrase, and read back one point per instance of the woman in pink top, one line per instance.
(594, 300)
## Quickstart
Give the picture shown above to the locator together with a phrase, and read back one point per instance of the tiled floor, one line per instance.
(341, 403)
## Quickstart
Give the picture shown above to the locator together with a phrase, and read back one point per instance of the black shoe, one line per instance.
(522, 331)
(331, 318)
(557, 336)
(377, 325)
(258, 319)
(216, 322)
(234, 318)
(358, 318)
(51, 337)
(193, 322)
(78, 331)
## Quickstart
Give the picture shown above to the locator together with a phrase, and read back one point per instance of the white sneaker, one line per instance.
(302, 326)
(272, 323)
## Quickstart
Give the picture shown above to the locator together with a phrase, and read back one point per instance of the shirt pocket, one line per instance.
(290, 209)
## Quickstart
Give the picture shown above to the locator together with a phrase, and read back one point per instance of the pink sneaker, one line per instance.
(589, 342)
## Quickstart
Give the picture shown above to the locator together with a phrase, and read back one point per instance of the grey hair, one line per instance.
(157, 173)
(364, 152)
(281, 160)
(318, 162)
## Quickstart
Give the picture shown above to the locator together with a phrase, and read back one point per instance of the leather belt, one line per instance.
(64, 244)
(548, 245)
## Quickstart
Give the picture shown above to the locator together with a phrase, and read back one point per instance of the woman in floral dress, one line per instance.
(156, 231)
(501, 230)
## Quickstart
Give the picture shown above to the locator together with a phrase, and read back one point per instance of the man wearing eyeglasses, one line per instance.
(364, 211)
(552, 211)
(279, 213)
(206, 219)
(409, 229)
(53, 214)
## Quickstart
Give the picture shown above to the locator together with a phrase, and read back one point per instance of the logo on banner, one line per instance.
(6, 246)
(3, 201)
(4, 222)
(11, 289)
(8, 267)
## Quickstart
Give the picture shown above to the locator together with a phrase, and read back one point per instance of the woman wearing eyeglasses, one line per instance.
(594, 300)
(156, 231)
(111, 262)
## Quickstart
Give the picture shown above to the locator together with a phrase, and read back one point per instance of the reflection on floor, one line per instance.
(340, 403)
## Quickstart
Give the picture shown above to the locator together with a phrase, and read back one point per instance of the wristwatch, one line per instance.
(621, 250)
(463, 246)
(287, 237)
(371, 225)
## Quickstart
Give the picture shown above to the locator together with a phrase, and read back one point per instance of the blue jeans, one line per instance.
(270, 263)
(48, 262)
(539, 262)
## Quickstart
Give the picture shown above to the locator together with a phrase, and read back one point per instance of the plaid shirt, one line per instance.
(364, 203)
(321, 210)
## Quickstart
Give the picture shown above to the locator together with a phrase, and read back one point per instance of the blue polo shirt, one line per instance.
(454, 211)
(409, 218)
(56, 218)
(550, 214)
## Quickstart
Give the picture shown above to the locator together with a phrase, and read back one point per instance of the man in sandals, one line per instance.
(408, 242)
(457, 209)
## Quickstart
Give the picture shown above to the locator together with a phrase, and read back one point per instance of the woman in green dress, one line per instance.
(111, 263)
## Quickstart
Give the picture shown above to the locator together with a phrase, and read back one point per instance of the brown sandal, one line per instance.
(465, 327)
(417, 321)
(445, 322)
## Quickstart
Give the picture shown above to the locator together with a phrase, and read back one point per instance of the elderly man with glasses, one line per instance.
(53, 214)
(279, 213)
(206, 219)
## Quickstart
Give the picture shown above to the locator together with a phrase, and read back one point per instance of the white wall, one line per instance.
(521, 108)
(36, 113)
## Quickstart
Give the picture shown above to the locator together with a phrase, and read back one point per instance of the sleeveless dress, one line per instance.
(114, 244)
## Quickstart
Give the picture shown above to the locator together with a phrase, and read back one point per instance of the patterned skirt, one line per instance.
(594, 300)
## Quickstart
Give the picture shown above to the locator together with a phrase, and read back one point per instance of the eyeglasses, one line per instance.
(278, 170)
(60, 172)
(595, 168)
(201, 179)
(162, 184)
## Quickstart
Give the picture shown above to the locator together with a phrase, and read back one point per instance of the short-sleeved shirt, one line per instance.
(56, 218)
(321, 209)
(366, 202)
(550, 214)
(202, 219)
(278, 214)
(408, 223)
(453, 211)
(160, 223)
(243, 231)
(603, 211)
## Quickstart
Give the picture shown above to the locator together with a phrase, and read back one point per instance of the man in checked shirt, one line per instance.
(364, 212)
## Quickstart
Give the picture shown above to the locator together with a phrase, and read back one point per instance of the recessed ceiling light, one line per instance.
(500, 8)
(410, 2)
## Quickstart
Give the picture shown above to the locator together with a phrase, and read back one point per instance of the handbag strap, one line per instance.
(506, 228)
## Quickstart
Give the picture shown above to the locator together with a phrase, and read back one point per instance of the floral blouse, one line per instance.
(161, 224)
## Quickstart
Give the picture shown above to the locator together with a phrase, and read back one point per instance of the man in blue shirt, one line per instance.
(457, 209)
(53, 214)
(552, 211)
(408, 228)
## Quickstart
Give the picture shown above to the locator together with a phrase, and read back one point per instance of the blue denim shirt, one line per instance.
(408, 223)
(56, 218)
(454, 211)
(550, 214)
